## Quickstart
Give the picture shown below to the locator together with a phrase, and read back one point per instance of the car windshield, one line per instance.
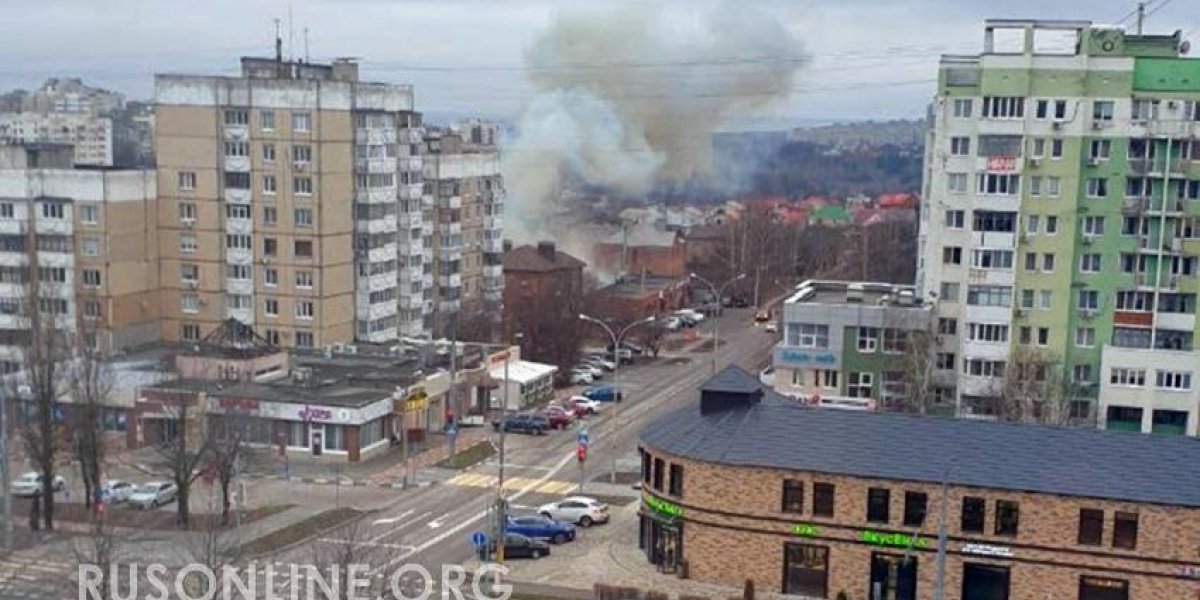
(30, 477)
(148, 489)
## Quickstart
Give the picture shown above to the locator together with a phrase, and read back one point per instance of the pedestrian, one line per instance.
(35, 513)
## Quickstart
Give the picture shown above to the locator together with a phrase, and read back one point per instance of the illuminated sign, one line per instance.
(800, 357)
(238, 404)
(987, 550)
(893, 540)
(805, 530)
(663, 507)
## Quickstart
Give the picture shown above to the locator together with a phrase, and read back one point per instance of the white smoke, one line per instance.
(629, 96)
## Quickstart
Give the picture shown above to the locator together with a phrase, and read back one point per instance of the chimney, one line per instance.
(506, 245)
(546, 250)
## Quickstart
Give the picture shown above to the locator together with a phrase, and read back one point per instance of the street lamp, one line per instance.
(616, 338)
(718, 293)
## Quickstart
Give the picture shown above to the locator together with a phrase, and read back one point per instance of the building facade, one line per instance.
(1063, 192)
(91, 135)
(92, 235)
(848, 502)
(852, 345)
(283, 191)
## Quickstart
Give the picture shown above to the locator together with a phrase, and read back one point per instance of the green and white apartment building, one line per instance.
(1062, 213)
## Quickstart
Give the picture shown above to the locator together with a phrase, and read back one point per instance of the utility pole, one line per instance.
(451, 393)
(1141, 16)
(616, 353)
(939, 592)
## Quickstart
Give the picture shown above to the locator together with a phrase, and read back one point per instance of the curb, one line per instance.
(342, 483)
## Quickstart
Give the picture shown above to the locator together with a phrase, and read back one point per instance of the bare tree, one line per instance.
(90, 380)
(1034, 389)
(101, 548)
(213, 546)
(185, 451)
(227, 450)
(353, 544)
(550, 326)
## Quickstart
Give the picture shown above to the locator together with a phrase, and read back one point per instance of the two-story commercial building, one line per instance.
(751, 485)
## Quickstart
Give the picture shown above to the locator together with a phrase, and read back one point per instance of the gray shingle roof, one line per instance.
(778, 433)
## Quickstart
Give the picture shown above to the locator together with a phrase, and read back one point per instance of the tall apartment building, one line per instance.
(92, 236)
(91, 135)
(462, 172)
(292, 199)
(1063, 217)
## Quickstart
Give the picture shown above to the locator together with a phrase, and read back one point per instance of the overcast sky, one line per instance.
(870, 58)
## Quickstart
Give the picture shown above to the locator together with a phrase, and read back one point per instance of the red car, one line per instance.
(559, 418)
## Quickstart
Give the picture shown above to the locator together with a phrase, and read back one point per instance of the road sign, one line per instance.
(479, 539)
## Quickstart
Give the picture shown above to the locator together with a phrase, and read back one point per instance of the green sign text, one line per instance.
(895, 540)
(663, 507)
(805, 530)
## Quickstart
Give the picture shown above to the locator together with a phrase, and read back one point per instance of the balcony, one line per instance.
(387, 252)
(375, 283)
(383, 195)
(492, 245)
(375, 165)
(237, 164)
(493, 270)
(239, 256)
(411, 275)
(240, 226)
(410, 302)
(453, 280)
(452, 228)
(385, 224)
(412, 163)
(411, 191)
(378, 337)
(1172, 128)
(237, 196)
(426, 201)
(493, 295)
(494, 222)
(410, 220)
(1178, 321)
(427, 280)
(13, 259)
(55, 259)
(374, 311)
(450, 202)
(412, 247)
(374, 135)
(12, 227)
(426, 227)
(450, 252)
(450, 305)
(237, 133)
(54, 226)
(414, 328)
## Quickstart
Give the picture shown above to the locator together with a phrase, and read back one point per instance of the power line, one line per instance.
(1158, 8)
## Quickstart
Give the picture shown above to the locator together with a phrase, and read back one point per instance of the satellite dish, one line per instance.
(1185, 46)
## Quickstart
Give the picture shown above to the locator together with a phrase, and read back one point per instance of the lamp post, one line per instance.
(718, 293)
(616, 338)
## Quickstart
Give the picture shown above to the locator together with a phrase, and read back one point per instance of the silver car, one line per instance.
(580, 510)
(153, 495)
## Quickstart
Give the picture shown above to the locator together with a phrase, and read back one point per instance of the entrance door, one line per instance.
(893, 577)
(805, 570)
(984, 582)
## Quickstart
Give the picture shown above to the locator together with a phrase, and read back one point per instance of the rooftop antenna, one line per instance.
(278, 44)
(306, 44)
(291, 35)
(1141, 16)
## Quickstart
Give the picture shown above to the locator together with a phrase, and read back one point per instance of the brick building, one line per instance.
(530, 271)
(643, 250)
(817, 502)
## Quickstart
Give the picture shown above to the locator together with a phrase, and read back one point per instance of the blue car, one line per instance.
(602, 393)
(541, 528)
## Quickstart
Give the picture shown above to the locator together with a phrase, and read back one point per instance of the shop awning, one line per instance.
(523, 371)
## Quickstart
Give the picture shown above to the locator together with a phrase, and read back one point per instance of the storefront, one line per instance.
(984, 582)
(528, 383)
(893, 576)
(316, 430)
(806, 570)
(660, 534)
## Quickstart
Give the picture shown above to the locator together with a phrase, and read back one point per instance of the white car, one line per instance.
(596, 371)
(116, 491)
(580, 510)
(29, 484)
(581, 377)
(592, 406)
(674, 322)
(153, 494)
(601, 362)
(694, 317)
(771, 327)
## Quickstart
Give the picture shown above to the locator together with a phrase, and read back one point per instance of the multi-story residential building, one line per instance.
(63, 95)
(1063, 216)
(282, 192)
(462, 172)
(856, 345)
(91, 135)
(92, 235)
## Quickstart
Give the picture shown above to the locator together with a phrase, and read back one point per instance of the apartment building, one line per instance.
(292, 200)
(1062, 189)
(92, 235)
(462, 173)
(91, 135)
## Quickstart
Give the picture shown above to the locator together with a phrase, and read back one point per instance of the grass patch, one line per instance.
(473, 455)
(299, 531)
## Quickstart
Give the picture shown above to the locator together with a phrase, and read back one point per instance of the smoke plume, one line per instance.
(629, 97)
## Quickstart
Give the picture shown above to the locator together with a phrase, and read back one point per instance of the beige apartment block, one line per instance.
(281, 192)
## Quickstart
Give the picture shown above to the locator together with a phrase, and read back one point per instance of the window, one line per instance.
(999, 184)
(823, 499)
(91, 278)
(1089, 263)
(793, 496)
(1051, 224)
(1053, 186)
(1031, 224)
(989, 220)
(1100, 149)
(1025, 335)
(1035, 185)
(237, 242)
(878, 500)
(304, 279)
(960, 146)
(1060, 110)
(1097, 187)
(1056, 149)
(91, 310)
(1085, 337)
(675, 480)
(1102, 110)
(992, 259)
(303, 217)
(948, 291)
(1007, 517)
(187, 212)
(955, 218)
(1091, 527)
(268, 153)
(53, 210)
(270, 277)
(1101, 588)
(304, 309)
(947, 326)
(828, 378)
(187, 243)
(1093, 226)
(266, 120)
(647, 462)
(7, 211)
(989, 295)
(1143, 109)
(301, 154)
(237, 181)
(1027, 299)
(237, 149)
(1173, 380)
(1089, 300)
(1048, 262)
(189, 272)
(302, 186)
(978, 367)
(270, 185)
(239, 272)
(190, 332)
(945, 361)
(1039, 148)
(270, 216)
(301, 122)
(1082, 374)
(962, 108)
(189, 303)
(914, 508)
(952, 255)
(808, 335)
(859, 385)
(1125, 530)
(238, 301)
(805, 570)
(187, 181)
(303, 249)
(237, 211)
(797, 377)
(659, 467)
(1031, 261)
(1043, 110)
(1003, 107)
(1127, 377)
(271, 307)
(895, 341)
(987, 332)
(237, 116)
(956, 183)
(868, 339)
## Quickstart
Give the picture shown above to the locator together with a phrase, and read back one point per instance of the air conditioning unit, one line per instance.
(300, 165)
(1088, 313)
(1097, 125)
(1022, 312)
(1171, 104)
(1035, 162)
(191, 284)
(265, 261)
(189, 223)
(1087, 241)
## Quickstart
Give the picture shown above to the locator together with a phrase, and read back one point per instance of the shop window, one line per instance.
(1125, 530)
(793, 496)
(805, 570)
(646, 467)
(1091, 526)
(1103, 588)
(1007, 517)
(974, 511)
(823, 496)
(675, 483)
(659, 465)
(894, 576)
(878, 500)
(915, 504)
(985, 582)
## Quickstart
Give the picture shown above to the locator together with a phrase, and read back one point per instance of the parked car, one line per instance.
(524, 423)
(674, 323)
(634, 348)
(690, 316)
(596, 371)
(580, 510)
(601, 362)
(116, 491)
(767, 376)
(578, 377)
(521, 546)
(771, 327)
(575, 410)
(625, 355)
(588, 405)
(539, 527)
(762, 316)
(559, 417)
(603, 393)
(30, 484)
(153, 495)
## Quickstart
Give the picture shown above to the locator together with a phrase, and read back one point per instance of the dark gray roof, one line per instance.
(732, 379)
(778, 433)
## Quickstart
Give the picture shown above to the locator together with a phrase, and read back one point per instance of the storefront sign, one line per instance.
(238, 404)
(309, 413)
(893, 540)
(416, 401)
(1191, 572)
(988, 550)
(663, 507)
(801, 357)
(805, 530)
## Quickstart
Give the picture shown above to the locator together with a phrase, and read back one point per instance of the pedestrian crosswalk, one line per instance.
(26, 569)
(481, 480)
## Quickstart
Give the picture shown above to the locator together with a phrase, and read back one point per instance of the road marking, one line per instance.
(399, 527)
(366, 544)
(434, 524)
(515, 483)
(390, 520)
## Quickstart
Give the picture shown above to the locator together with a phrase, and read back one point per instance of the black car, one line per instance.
(524, 423)
(519, 546)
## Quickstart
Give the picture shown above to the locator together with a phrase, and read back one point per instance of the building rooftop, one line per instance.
(778, 433)
(642, 234)
(867, 293)
(325, 392)
(540, 259)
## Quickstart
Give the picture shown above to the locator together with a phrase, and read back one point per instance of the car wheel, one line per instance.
(535, 553)
(585, 521)
(559, 538)
(547, 515)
